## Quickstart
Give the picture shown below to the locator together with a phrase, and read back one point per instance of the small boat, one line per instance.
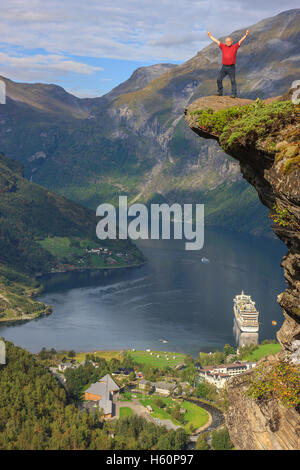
(163, 340)
(205, 260)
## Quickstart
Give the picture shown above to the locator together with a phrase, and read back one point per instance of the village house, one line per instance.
(123, 371)
(96, 251)
(146, 385)
(164, 388)
(111, 260)
(218, 375)
(218, 379)
(103, 392)
(63, 366)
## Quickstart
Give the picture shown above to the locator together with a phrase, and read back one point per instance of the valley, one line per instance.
(133, 141)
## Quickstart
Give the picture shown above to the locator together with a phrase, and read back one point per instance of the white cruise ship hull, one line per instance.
(246, 329)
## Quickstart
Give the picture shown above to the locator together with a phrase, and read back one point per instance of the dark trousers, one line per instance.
(230, 71)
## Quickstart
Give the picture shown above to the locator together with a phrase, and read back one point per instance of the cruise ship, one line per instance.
(245, 313)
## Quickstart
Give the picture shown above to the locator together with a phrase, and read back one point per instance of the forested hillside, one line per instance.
(36, 414)
(41, 232)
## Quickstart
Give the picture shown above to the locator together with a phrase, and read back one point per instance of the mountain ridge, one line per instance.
(137, 144)
(42, 232)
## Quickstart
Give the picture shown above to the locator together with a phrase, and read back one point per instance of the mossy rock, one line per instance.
(281, 146)
(291, 151)
(291, 165)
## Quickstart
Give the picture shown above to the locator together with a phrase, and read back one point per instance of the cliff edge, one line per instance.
(264, 136)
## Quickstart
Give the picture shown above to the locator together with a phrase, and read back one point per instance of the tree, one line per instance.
(212, 359)
(43, 354)
(71, 353)
(189, 359)
(201, 443)
(158, 402)
(221, 440)
(164, 443)
(228, 349)
(148, 387)
(29, 391)
(131, 376)
(127, 360)
(114, 364)
(205, 390)
(181, 438)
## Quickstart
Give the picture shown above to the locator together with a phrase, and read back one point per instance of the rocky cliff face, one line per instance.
(265, 139)
(264, 425)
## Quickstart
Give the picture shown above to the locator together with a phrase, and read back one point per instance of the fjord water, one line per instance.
(175, 297)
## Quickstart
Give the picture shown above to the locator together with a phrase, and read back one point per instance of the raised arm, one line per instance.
(244, 37)
(213, 39)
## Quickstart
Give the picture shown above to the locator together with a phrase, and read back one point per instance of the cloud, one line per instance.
(50, 65)
(70, 34)
(178, 40)
(131, 29)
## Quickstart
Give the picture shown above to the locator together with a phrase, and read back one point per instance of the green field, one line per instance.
(107, 355)
(72, 250)
(262, 351)
(143, 357)
(61, 247)
(158, 412)
(194, 414)
(125, 411)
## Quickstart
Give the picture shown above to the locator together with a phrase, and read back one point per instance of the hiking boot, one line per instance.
(233, 96)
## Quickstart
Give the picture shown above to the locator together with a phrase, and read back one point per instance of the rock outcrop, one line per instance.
(265, 138)
(263, 425)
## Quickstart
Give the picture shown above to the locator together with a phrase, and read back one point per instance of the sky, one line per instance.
(90, 46)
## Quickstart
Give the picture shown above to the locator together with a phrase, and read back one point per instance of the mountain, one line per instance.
(41, 232)
(133, 140)
(139, 79)
(43, 98)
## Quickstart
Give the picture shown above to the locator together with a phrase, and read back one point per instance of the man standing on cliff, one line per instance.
(229, 51)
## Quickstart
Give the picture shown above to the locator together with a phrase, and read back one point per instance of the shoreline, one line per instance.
(90, 270)
(48, 309)
(26, 318)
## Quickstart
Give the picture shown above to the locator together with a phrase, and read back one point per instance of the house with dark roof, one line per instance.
(67, 365)
(102, 392)
(123, 371)
(164, 388)
(146, 385)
